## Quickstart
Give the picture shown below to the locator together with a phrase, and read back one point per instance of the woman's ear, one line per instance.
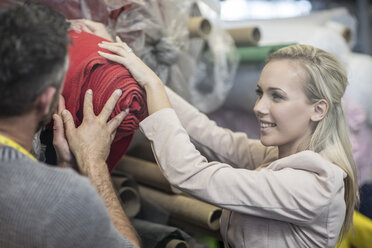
(320, 110)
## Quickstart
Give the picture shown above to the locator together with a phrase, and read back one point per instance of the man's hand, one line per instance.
(91, 141)
(92, 27)
(65, 158)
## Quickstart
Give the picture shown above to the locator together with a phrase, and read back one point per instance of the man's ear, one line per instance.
(45, 99)
(320, 110)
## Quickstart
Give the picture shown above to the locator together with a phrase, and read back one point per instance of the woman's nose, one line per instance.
(260, 107)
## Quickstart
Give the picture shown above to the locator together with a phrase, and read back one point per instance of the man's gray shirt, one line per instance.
(43, 206)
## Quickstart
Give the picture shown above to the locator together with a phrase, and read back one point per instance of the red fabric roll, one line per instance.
(88, 70)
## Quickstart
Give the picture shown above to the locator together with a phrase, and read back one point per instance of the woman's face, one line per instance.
(282, 108)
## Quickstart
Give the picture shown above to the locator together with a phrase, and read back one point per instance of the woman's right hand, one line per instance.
(124, 55)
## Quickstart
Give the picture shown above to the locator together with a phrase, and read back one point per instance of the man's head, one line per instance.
(33, 57)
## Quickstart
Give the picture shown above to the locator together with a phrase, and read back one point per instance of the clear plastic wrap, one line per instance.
(200, 69)
(216, 66)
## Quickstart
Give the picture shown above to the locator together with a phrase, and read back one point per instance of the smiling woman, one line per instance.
(295, 187)
(286, 115)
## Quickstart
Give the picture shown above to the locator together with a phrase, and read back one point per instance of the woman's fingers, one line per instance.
(118, 47)
(124, 55)
(112, 57)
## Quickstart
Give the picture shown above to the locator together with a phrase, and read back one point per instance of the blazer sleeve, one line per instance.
(217, 143)
(283, 193)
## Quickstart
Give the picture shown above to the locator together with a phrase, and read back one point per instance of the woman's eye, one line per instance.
(259, 92)
(277, 96)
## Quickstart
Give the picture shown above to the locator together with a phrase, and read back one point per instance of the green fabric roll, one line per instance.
(258, 54)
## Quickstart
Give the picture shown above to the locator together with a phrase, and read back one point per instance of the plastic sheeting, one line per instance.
(200, 70)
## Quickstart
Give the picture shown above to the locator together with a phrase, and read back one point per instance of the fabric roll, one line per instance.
(185, 208)
(361, 234)
(88, 70)
(343, 30)
(176, 243)
(194, 229)
(127, 191)
(365, 207)
(245, 36)
(144, 172)
(131, 201)
(155, 235)
(152, 212)
(121, 179)
(199, 27)
(258, 54)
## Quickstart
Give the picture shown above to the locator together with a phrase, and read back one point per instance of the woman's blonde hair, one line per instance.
(328, 81)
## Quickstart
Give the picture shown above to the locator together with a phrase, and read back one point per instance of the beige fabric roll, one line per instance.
(245, 36)
(120, 181)
(144, 172)
(185, 208)
(176, 243)
(199, 27)
(128, 195)
(131, 201)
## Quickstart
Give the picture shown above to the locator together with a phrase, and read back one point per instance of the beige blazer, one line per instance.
(297, 201)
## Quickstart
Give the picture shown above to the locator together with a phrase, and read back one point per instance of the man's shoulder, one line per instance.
(38, 198)
(32, 178)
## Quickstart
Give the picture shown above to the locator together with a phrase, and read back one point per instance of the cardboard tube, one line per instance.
(192, 228)
(176, 243)
(245, 36)
(344, 31)
(144, 172)
(199, 27)
(128, 194)
(122, 181)
(185, 208)
(131, 201)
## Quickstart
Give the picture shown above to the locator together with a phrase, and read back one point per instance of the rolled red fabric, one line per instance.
(88, 70)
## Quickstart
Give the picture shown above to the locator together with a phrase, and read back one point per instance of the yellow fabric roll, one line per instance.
(361, 237)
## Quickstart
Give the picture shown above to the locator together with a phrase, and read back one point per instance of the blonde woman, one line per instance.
(295, 187)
